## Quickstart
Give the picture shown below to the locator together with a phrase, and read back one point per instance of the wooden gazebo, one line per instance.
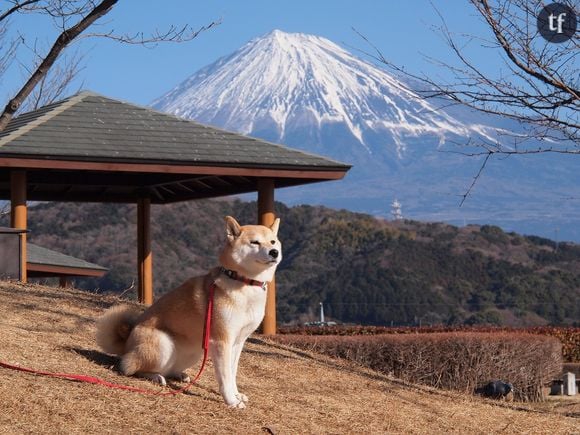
(90, 148)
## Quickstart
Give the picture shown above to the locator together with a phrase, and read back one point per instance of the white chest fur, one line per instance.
(242, 309)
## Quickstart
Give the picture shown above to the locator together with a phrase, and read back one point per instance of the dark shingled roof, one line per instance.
(87, 126)
(93, 148)
(47, 257)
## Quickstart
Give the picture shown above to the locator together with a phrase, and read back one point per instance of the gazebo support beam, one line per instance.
(266, 216)
(18, 214)
(144, 255)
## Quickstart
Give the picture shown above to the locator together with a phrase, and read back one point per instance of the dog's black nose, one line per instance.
(274, 253)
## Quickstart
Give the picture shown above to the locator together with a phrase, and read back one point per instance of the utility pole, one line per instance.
(396, 210)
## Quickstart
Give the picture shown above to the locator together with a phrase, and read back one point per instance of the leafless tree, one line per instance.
(57, 83)
(73, 19)
(539, 86)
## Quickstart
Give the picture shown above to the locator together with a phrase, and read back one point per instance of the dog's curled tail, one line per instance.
(114, 327)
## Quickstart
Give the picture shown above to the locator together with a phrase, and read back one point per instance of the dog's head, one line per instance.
(252, 250)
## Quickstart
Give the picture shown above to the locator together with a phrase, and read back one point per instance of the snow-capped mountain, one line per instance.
(308, 92)
(283, 83)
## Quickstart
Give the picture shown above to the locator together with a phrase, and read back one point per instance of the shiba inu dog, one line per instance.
(166, 339)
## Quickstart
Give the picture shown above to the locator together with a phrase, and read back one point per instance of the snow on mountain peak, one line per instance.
(283, 81)
(309, 93)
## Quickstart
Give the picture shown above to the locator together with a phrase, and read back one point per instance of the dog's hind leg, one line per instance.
(186, 356)
(223, 358)
(153, 377)
(132, 365)
(151, 355)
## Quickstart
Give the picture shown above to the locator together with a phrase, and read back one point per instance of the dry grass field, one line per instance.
(290, 391)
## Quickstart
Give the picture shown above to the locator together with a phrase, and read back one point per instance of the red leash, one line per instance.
(98, 381)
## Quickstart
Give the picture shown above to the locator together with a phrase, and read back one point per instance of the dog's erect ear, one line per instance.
(275, 226)
(233, 229)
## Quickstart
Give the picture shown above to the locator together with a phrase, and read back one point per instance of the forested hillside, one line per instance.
(363, 269)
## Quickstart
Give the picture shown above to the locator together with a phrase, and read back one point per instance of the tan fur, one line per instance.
(114, 328)
(167, 338)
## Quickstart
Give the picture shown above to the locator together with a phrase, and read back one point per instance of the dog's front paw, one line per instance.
(234, 401)
(242, 397)
(181, 377)
(184, 377)
(158, 379)
(238, 405)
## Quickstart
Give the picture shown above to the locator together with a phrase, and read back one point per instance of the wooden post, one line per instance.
(18, 214)
(144, 255)
(266, 216)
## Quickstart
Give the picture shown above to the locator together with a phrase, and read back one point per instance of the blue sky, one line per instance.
(403, 31)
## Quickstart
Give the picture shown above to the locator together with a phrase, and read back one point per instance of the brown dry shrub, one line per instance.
(569, 336)
(456, 360)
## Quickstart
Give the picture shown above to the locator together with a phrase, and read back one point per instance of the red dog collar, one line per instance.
(235, 275)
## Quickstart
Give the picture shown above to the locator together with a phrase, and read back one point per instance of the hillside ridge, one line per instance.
(363, 269)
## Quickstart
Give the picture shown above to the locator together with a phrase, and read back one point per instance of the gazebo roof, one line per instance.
(92, 148)
(46, 262)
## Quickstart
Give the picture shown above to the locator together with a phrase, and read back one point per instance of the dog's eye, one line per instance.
(255, 242)
(273, 242)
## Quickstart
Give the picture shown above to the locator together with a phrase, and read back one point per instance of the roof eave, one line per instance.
(48, 270)
(323, 172)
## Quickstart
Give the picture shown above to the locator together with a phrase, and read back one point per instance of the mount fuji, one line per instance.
(309, 93)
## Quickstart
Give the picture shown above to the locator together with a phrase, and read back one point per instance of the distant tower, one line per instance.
(321, 313)
(396, 210)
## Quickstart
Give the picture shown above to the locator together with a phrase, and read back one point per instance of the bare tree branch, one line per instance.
(540, 88)
(172, 34)
(7, 49)
(17, 7)
(539, 73)
(72, 18)
(56, 84)
(63, 40)
(475, 179)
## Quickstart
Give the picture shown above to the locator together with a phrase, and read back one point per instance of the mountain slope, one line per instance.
(307, 92)
(365, 270)
(283, 83)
